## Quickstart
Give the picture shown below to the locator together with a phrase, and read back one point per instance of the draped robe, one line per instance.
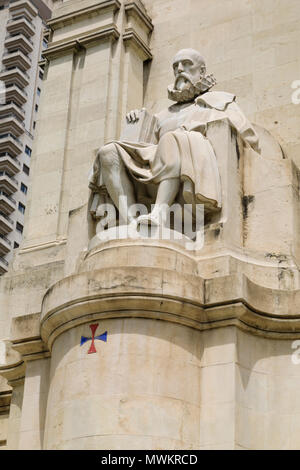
(182, 149)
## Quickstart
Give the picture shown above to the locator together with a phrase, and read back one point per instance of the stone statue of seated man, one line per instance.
(178, 161)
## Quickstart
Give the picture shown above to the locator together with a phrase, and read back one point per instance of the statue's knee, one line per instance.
(168, 137)
(108, 155)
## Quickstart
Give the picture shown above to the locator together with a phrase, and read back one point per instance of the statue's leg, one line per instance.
(117, 181)
(167, 162)
(166, 194)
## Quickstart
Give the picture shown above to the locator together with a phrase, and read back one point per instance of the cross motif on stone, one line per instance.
(102, 337)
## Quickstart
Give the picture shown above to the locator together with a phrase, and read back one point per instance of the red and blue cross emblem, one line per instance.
(102, 337)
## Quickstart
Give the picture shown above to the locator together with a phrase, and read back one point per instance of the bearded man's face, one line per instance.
(186, 72)
(189, 69)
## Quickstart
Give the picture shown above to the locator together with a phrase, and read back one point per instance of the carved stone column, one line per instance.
(136, 38)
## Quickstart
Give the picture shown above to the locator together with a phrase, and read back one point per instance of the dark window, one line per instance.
(21, 207)
(24, 188)
(28, 150)
(36, 107)
(26, 169)
(34, 124)
(38, 91)
(41, 75)
(19, 227)
(16, 245)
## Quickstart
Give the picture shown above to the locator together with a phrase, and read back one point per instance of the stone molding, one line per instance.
(5, 399)
(26, 339)
(13, 368)
(31, 350)
(169, 295)
(75, 45)
(132, 38)
(109, 32)
(57, 50)
(142, 288)
(132, 7)
(14, 373)
(25, 345)
(69, 18)
(137, 19)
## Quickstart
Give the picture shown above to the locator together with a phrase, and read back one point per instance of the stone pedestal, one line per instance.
(172, 338)
(202, 347)
(141, 389)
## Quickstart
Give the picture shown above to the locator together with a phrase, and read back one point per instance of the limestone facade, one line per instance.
(201, 350)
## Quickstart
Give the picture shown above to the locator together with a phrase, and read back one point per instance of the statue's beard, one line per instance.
(184, 89)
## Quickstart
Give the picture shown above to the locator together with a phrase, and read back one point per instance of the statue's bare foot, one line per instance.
(149, 219)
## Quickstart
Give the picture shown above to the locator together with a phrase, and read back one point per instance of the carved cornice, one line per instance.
(5, 399)
(132, 7)
(31, 349)
(168, 295)
(57, 50)
(26, 339)
(75, 45)
(14, 373)
(25, 349)
(13, 368)
(69, 18)
(109, 32)
(132, 38)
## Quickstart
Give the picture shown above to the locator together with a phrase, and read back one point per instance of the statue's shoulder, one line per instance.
(216, 99)
(167, 112)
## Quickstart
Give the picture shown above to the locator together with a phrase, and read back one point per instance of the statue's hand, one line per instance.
(134, 115)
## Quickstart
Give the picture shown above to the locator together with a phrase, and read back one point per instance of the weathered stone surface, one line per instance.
(200, 351)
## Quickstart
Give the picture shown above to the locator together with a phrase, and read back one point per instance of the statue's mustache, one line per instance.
(185, 76)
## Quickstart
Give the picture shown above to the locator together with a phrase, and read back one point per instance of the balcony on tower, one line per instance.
(5, 245)
(14, 76)
(9, 164)
(11, 124)
(7, 203)
(12, 108)
(20, 24)
(3, 265)
(6, 224)
(10, 144)
(16, 58)
(16, 94)
(8, 183)
(23, 7)
(18, 41)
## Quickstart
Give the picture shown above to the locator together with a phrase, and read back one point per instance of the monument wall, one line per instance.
(199, 351)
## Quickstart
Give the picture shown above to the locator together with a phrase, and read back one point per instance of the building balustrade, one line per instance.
(21, 17)
(16, 36)
(3, 193)
(5, 155)
(3, 260)
(5, 238)
(9, 134)
(4, 173)
(6, 217)
(11, 115)
(12, 69)
(17, 86)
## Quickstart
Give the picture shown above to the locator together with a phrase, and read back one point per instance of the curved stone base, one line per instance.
(171, 337)
(140, 390)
